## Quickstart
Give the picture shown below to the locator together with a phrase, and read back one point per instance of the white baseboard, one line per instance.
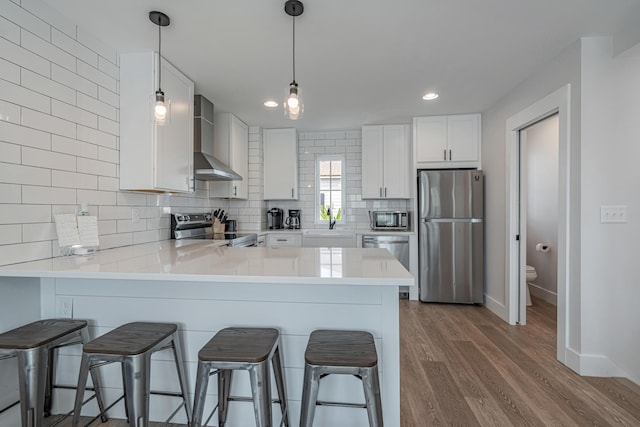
(543, 294)
(596, 365)
(496, 307)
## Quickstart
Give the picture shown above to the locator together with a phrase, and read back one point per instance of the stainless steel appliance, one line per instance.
(293, 220)
(275, 219)
(200, 226)
(451, 235)
(389, 220)
(399, 248)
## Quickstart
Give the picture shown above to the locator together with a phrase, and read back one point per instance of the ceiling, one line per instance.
(357, 61)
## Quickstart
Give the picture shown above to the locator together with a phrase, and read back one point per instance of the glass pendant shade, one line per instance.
(161, 108)
(293, 106)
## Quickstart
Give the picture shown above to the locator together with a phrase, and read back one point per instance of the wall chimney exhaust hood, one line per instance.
(205, 164)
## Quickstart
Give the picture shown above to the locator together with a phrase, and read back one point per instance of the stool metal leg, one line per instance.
(182, 376)
(48, 403)
(280, 384)
(137, 377)
(82, 384)
(261, 392)
(32, 373)
(200, 394)
(309, 395)
(224, 392)
(371, 384)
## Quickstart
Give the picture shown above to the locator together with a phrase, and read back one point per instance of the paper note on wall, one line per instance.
(67, 230)
(88, 230)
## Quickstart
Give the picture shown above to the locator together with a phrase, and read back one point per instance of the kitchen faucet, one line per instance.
(332, 223)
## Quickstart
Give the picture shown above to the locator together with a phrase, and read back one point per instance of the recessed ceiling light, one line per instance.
(270, 104)
(430, 96)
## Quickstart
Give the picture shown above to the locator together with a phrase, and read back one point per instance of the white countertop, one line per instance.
(205, 261)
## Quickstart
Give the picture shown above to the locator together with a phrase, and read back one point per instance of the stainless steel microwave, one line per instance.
(389, 220)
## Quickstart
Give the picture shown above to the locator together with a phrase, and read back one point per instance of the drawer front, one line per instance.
(280, 239)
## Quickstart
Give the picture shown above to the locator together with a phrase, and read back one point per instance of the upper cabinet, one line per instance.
(447, 141)
(280, 164)
(152, 157)
(386, 161)
(231, 145)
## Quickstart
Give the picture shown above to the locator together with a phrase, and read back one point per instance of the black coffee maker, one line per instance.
(275, 219)
(293, 220)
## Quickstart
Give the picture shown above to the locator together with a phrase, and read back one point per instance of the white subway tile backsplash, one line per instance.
(10, 193)
(114, 212)
(19, 95)
(24, 58)
(150, 236)
(11, 254)
(19, 174)
(10, 153)
(66, 145)
(116, 240)
(73, 80)
(109, 97)
(96, 76)
(108, 184)
(73, 180)
(96, 197)
(71, 46)
(127, 226)
(48, 159)
(25, 19)
(98, 107)
(9, 30)
(17, 214)
(131, 199)
(108, 126)
(9, 71)
(10, 234)
(47, 87)
(46, 50)
(39, 232)
(96, 137)
(73, 114)
(53, 17)
(109, 68)
(47, 123)
(48, 195)
(108, 155)
(96, 167)
(105, 51)
(107, 227)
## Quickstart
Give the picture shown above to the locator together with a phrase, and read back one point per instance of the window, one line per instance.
(330, 184)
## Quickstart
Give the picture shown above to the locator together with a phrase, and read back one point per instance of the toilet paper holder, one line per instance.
(542, 247)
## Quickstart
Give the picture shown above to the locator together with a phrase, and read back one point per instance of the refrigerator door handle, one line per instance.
(428, 220)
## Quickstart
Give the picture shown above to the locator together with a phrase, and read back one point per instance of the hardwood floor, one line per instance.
(463, 366)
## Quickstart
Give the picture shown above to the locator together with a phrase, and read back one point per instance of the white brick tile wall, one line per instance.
(98, 107)
(115, 240)
(9, 71)
(96, 197)
(107, 227)
(108, 67)
(47, 123)
(17, 214)
(66, 145)
(24, 58)
(19, 95)
(150, 236)
(11, 254)
(74, 180)
(39, 232)
(109, 97)
(47, 86)
(73, 114)
(43, 48)
(102, 49)
(9, 30)
(127, 226)
(48, 195)
(53, 17)
(96, 76)
(108, 155)
(97, 167)
(109, 126)
(131, 199)
(96, 137)
(73, 80)
(106, 183)
(19, 174)
(10, 234)
(48, 159)
(10, 153)
(25, 19)
(114, 212)
(74, 48)
(10, 193)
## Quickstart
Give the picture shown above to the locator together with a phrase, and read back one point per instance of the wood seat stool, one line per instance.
(132, 345)
(341, 352)
(250, 349)
(35, 345)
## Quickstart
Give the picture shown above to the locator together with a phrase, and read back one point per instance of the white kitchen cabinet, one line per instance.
(280, 164)
(447, 141)
(231, 146)
(386, 161)
(152, 157)
(284, 239)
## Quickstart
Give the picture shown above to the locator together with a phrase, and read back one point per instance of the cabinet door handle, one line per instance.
(450, 155)
(235, 192)
(444, 152)
(385, 191)
(380, 191)
(292, 193)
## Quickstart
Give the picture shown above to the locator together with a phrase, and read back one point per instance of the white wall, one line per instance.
(610, 176)
(59, 138)
(541, 182)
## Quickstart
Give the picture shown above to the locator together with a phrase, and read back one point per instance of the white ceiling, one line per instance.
(357, 61)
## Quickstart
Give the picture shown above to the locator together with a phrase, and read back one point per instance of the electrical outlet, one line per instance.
(65, 307)
(135, 215)
(613, 214)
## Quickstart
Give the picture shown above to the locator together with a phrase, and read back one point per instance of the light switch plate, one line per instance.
(64, 308)
(613, 214)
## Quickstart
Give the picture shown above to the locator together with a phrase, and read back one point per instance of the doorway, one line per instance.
(556, 103)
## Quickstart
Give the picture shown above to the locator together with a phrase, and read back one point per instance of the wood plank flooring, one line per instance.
(462, 365)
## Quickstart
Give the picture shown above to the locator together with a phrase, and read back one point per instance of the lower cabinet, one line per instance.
(284, 239)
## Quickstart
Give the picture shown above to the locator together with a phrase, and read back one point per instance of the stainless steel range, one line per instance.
(200, 226)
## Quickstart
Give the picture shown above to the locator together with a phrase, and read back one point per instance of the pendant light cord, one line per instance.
(159, 58)
(294, 49)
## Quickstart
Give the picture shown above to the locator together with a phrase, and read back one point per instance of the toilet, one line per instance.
(531, 276)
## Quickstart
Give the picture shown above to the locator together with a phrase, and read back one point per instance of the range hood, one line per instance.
(205, 165)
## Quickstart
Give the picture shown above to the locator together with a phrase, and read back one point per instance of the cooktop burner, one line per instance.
(200, 226)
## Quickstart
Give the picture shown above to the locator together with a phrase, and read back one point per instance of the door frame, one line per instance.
(515, 276)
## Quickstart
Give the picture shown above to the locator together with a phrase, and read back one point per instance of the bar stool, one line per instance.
(249, 349)
(341, 352)
(35, 345)
(132, 345)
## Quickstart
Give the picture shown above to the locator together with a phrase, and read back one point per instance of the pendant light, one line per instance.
(161, 104)
(293, 107)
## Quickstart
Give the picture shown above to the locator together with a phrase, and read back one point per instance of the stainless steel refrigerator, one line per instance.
(451, 236)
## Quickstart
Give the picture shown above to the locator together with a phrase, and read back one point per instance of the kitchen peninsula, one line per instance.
(204, 288)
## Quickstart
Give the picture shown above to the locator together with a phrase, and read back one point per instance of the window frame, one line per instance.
(324, 158)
